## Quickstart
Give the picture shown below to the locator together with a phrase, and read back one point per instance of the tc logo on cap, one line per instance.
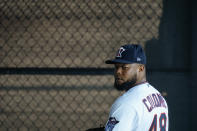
(120, 51)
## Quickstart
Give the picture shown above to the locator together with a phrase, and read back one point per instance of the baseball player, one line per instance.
(141, 107)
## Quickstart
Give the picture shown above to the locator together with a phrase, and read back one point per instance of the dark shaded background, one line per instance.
(174, 58)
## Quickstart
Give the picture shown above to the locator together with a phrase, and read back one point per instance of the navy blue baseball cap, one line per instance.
(128, 54)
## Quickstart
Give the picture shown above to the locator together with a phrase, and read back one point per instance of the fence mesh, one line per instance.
(65, 34)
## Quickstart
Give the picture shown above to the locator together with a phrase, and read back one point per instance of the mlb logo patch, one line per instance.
(111, 123)
(139, 59)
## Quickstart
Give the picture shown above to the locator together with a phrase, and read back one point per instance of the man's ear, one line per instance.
(141, 68)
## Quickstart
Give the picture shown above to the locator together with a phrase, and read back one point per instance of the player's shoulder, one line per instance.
(140, 90)
(132, 96)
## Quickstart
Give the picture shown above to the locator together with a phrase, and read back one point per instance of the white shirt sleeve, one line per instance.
(123, 119)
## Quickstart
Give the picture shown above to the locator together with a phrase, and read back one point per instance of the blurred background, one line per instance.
(52, 54)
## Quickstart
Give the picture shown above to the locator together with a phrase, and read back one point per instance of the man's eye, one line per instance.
(125, 67)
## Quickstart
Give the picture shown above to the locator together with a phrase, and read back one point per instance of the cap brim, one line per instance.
(118, 61)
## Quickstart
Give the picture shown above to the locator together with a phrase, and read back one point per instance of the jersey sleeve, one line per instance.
(123, 119)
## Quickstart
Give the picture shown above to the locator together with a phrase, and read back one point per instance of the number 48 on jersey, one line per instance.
(161, 120)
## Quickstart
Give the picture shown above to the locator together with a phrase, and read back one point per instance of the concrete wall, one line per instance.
(172, 63)
(193, 63)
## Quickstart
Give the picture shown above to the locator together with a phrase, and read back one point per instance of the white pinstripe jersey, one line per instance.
(141, 108)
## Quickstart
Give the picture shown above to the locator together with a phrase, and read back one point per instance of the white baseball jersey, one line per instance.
(141, 108)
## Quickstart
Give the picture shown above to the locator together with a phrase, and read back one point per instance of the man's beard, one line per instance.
(126, 85)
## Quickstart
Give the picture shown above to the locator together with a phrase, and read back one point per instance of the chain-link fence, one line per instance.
(64, 34)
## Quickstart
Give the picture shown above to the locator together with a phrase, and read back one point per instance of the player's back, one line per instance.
(142, 108)
(155, 110)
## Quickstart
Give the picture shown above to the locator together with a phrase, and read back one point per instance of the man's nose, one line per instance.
(118, 70)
